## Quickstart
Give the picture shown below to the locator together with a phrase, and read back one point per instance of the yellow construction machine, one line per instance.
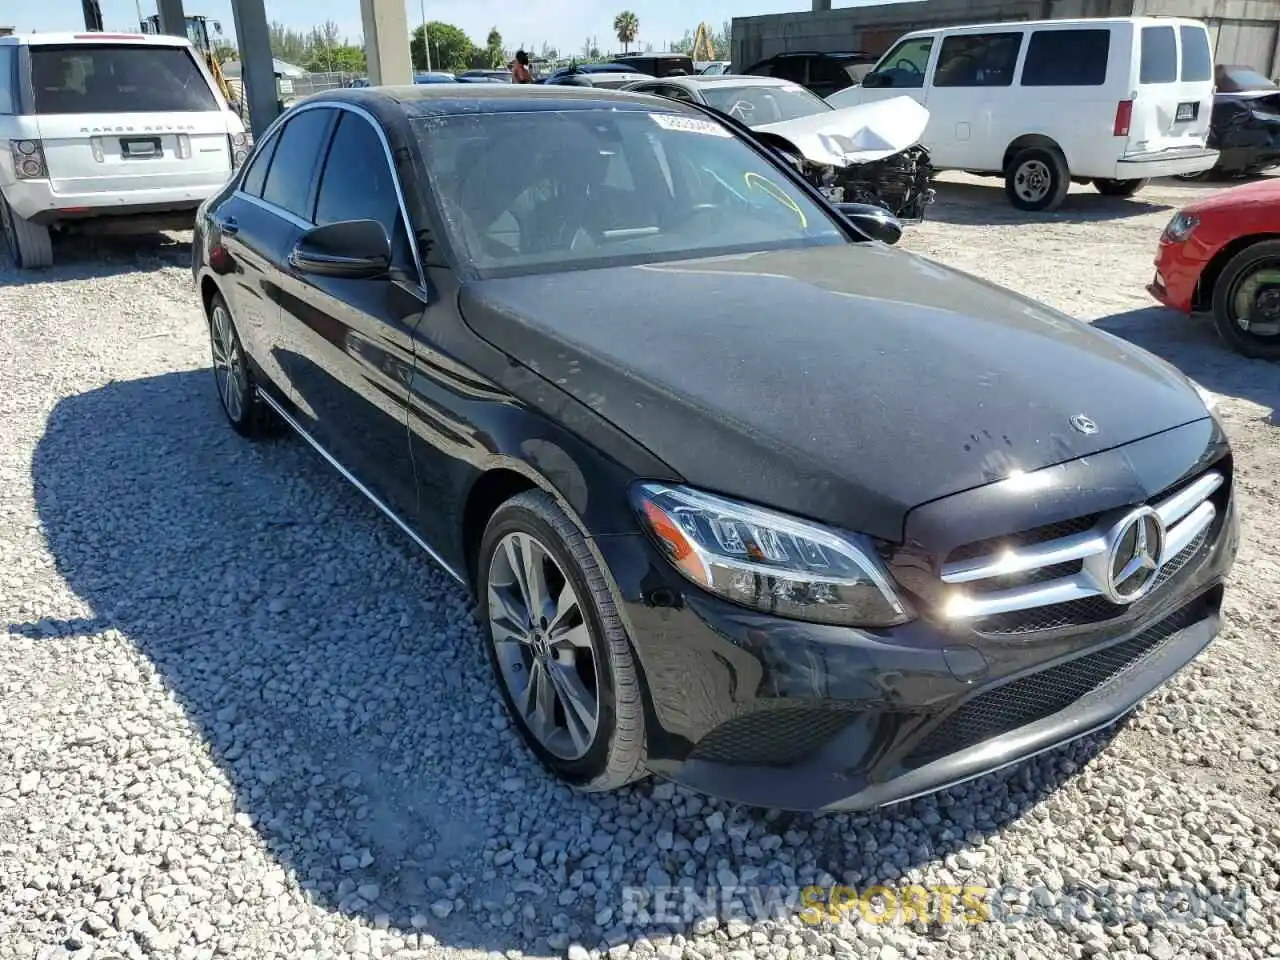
(198, 34)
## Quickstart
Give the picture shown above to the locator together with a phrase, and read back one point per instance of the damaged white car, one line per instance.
(864, 154)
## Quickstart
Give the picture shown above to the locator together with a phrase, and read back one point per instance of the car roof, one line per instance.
(74, 39)
(696, 80)
(1071, 24)
(838, 54)
(665, 54)
(427, 100)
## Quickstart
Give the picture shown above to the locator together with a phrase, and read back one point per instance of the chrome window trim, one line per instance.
(351, 478)
(1185, 516)
(391, 166)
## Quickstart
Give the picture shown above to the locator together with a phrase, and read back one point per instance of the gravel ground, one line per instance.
(241, 717)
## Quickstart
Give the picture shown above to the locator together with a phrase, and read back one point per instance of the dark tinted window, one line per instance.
(1235, 79)
(978, 60)
(826, 72)
(903, 66)
(301, 145)
(357, 183)
(1159, 56)
(1197, 61)
(787, 68)
(256, 174)
(1066, 58)
(117, 79)
(8, 90)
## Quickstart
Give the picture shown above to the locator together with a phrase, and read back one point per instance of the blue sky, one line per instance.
(563, 23)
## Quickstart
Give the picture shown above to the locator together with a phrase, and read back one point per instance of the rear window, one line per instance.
(1197, 61)
(83, 78)
(8, 74)
(1159, 62)
(1067, 58)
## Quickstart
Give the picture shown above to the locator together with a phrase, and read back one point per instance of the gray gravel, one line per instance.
(241, 717)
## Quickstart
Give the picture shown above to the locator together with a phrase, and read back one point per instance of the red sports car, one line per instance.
(1223, 254)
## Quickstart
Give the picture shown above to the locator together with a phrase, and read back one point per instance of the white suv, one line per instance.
(107, 132)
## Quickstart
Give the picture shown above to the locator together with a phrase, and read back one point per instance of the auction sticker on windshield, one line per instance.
(670, 121)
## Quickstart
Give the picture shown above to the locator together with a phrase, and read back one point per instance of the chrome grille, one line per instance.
(1007, 586)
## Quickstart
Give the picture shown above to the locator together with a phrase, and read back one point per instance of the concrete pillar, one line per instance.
(386, 41)
(257, 70)
(821, 5)
(173, 20)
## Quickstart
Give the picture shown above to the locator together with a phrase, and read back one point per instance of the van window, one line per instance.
(902, 67)
(1159, 56)
(977, 60)
(1197, 61)
(1067, 58)
(8, 90)
(94, 78)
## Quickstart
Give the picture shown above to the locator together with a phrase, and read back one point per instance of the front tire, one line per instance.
(29, 244)
(559, 652)
(1246, 301)
(1119, 188)
(1037, 179)
(232, 375)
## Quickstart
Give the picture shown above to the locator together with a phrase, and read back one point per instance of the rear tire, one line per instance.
(1037, 179)
(233, 376)
(1246, 301)
(29, 243)
(1119, 188)
(562, 637)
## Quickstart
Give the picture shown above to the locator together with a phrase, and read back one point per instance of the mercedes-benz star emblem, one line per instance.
(1133, 560)
(1084, 425)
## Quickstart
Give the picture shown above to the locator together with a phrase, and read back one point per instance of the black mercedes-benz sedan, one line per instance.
(748, 499)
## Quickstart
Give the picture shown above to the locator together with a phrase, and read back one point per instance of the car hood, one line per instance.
(1261, 193)
(850, 135)
(847, 383)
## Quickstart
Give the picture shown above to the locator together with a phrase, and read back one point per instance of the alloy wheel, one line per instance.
(543, 646)
(228, 363)
(1033, 180)
(1256, 302)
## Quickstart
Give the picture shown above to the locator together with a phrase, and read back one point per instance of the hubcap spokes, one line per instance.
(1032, 181)
(228, 363)
(542, 646)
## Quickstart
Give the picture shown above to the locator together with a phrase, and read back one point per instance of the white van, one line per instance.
(1114, 101)
(107, 132)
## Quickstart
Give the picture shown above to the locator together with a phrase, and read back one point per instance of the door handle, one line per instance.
(229, 226)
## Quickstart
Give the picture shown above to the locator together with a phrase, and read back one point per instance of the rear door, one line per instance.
(971, 98)
(1175, 88)
(122, 118)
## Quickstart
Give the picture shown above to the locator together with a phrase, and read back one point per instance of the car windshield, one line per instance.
(756, 104)
(598, 187)
(129, 78)
(1235, 79)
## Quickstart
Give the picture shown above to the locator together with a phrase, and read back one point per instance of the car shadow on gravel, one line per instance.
(339, 683)
(977, 204)
(84, 257)
(1193, 346)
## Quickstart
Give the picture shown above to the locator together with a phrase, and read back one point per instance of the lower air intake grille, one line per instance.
(772, 737)
(1043, 694)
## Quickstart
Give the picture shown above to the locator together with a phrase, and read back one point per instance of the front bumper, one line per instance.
(776, 713)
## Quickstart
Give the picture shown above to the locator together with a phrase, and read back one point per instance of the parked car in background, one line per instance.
(434, 76)
(1245, 128)
(1222, 254)
(867, 154)
(821, 73)
(605, 75)
(714, 68)
(661, 64)
(1112, 102)
(107, 132)
(906, 529)
(501, 76)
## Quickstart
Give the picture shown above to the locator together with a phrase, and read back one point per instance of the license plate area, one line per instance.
(1187, 112)
(140, 148)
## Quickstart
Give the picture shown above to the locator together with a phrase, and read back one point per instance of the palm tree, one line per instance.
(626, 25)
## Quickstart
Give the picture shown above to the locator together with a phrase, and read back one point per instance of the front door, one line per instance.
(900, 73)
(349, 342)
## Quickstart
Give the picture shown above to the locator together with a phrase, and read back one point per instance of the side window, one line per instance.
(978, 60)
(1159, 56)
(8, 74)
(903, 67)
(357, 183)
(676, 93)
(1067, 58)
(294, 163)
(790, 68)
(1197, 61)
(766, 68)
(256, 173)
(828, 73)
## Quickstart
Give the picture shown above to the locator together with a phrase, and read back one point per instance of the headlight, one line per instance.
(1180, 227)
(769, 561)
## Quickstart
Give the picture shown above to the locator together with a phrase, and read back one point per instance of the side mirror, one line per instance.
(876, 222)
(874, 79)
(353, 249)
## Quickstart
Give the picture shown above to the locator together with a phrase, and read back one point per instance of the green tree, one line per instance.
(626, 25)
(495, 55)
(451, 48)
